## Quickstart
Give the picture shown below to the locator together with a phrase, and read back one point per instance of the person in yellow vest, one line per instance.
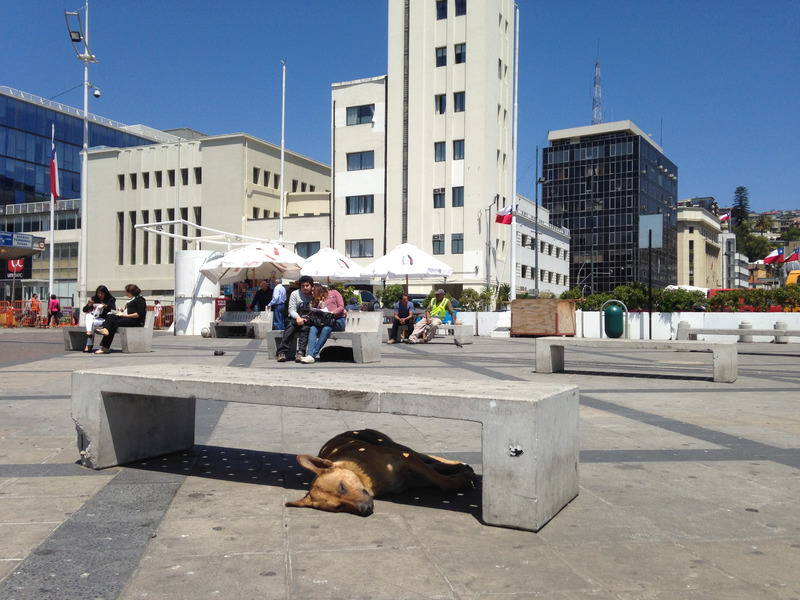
(426, 328)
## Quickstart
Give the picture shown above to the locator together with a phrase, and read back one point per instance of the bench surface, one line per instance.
(530, 440)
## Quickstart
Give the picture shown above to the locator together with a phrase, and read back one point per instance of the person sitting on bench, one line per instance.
(97, 309)
(403, 319)
(434, 315)
(133, 316)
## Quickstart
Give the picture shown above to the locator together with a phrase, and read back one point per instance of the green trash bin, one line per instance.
(615, 324)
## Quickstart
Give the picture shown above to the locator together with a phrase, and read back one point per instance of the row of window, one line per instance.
(441, 8)
(22, 181)
(459, 102)
(275, 179)
(440, 150)
(65, 262)
(529, 272)
(32, 223)
(126, 228)
(459, 54)
(456, 243)
(545, 248)
(158, 178)
(457, 194)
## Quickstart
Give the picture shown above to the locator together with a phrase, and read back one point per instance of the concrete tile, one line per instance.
(384, 574)
(52, 487)
(768, 565)
(645, 566)
(308, 530)
(39, 509)
(213, 499)
(18, 540)
(260, 576)
(217, 537)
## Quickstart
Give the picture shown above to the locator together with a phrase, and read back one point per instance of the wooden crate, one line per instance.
(546, 316)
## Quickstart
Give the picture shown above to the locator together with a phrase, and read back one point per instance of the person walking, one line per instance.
(53, 311)
(278, 305)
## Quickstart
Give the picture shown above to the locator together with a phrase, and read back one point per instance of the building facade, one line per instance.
(424, 155)
(230, 183)
(599, 181)
(554, 250)
(26, 123)
(700, 261)
(735, 266)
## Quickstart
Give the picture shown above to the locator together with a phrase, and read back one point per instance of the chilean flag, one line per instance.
(724, 218)
(55, 190)
(794, 255)
(774, 256)
(504, 215)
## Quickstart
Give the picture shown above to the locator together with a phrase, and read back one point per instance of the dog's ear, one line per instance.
(313, 463)
(304, 501)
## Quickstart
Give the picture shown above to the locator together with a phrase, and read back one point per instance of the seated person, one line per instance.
(297, 320)
(331, 317)
(353, 305)
(133, 316)
(97, 309)
(434, 314)
(403, 319)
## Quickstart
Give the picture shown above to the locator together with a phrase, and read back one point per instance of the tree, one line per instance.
(763, 223)
(754, 247)
(791, 235)
(741, 205)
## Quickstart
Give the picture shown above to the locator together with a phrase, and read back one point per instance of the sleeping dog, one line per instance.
(355, 467)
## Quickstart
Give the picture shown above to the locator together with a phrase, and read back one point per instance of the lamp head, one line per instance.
(96, 93)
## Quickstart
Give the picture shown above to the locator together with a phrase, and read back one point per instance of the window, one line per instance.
(461, 53)
(184, 177)
(459, 100)
(294, 185)
(438, 243)
(441, 9)
(159, 179)
(359, 248)
(171, 177)
(441, 103)
(306, 249)
(146, 180)
(458, 150)
(438, 198)
(359, 161)
(458, 195)
(358, 115)
(266, 178)
(198, 175)
(439, 151)
(276, 181)
(133, 182)
(441, 57)
(360, 205)
(457, 243)
(256, 174)
(461, 7)
(121, 179)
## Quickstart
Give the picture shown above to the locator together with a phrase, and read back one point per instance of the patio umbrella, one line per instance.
(254, 260)
(408, 261)
(333, 265)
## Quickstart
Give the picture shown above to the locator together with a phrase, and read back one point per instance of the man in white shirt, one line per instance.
(278, 304)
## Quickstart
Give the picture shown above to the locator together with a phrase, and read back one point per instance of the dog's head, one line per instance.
(334, 489)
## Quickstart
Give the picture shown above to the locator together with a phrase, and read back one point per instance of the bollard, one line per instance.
(781, 339)
(745, 338)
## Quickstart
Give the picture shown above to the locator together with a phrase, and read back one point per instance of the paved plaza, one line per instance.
(689, 489)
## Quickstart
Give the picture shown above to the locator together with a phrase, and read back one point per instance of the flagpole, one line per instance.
(513, 294)
(283, 148)
(53, 186)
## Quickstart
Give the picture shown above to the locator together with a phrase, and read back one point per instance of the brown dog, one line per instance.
(357, 466)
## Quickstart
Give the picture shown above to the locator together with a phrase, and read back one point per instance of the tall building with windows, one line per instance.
(599, 181)
(700, 261)
(424, 155)
(26, 123)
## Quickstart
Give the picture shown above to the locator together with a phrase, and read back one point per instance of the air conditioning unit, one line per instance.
(438, 237)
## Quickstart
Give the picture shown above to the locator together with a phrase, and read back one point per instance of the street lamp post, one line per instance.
(78, 36)
(539, 181)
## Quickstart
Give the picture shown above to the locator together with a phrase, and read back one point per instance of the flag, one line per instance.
(774, 256)
(55, 190)
(794, 255)
(504, 215)
(724, 218)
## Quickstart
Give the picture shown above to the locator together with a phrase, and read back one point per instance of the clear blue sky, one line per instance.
(723, 77)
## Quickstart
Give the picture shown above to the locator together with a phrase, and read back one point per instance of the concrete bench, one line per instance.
(530, 442)
(461, 333)
(550, 352)
(360, 328)
(259, 322)
(780, 332)
(132, 339)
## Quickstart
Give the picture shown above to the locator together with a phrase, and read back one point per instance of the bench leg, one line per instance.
(549, 357)
(530, 465)
(726, 364)
(219, 332)
(114, 429)
(366, 348)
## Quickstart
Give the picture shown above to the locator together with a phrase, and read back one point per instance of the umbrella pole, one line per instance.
(406, 284)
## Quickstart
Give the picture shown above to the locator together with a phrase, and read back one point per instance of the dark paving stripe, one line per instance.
(246, 356)
(94, 552)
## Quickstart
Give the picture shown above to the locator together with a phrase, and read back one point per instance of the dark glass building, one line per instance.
(26, 123)
(599, 180)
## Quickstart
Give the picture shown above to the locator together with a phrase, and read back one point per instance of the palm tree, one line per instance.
(763, 223)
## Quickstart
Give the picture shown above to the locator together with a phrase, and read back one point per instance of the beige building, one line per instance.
(230, 183)
(699, 248)
(424, 155)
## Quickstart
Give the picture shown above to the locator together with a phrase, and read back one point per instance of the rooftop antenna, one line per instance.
(597, 95)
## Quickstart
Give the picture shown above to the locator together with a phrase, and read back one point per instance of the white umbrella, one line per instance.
(254, 260)
(333, 265)
(408, 261)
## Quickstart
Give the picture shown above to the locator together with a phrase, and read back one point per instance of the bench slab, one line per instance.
(530, 439)
(550, 352)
